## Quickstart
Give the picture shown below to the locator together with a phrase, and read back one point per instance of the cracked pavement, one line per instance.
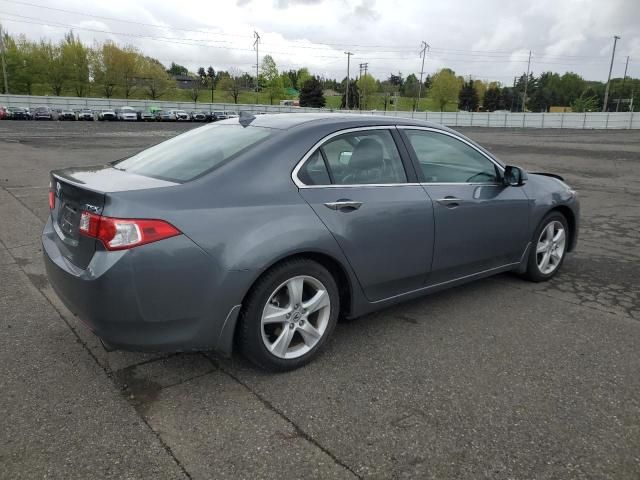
(496, 379)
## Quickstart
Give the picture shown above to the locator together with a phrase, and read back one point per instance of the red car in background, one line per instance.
(3, 112)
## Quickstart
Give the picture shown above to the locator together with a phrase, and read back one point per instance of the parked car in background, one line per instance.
(198, 117)
(3, 112)
(66, 115)
(181, 247)
(42, 113)
(106, 114)
(29, 113)
(216, 116)
(126, 114)
(165, 116)
(232, 114)
(18, 113)
(146, 116)
(181, 115)
(86, 114)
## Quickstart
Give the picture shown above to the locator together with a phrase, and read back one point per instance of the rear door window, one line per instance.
(367, 157)
(194, 153)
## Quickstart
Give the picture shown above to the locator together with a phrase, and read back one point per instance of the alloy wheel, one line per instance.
(295, 317)
(550, 248)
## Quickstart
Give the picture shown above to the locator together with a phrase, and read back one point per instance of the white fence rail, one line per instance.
(591, 120)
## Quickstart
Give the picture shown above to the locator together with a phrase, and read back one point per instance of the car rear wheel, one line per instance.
(289, 315)
(549, 246)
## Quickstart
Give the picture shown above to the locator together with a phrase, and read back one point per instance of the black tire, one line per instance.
(249, 333)
(533, 272)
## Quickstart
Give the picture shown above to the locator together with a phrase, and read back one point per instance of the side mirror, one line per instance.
(514, 176)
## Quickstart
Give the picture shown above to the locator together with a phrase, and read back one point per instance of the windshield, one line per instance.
(193, 153)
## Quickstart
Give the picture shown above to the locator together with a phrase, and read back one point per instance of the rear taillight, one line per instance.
(52, 200)
(124, 233)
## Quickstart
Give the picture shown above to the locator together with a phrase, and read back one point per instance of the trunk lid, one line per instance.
(87, 189)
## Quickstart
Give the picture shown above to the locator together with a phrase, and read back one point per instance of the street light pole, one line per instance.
(606, 90)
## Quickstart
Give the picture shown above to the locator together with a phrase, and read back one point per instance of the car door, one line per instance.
(357, 183)
(480, 224)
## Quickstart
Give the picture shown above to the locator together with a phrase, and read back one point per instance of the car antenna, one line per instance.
(246, 118)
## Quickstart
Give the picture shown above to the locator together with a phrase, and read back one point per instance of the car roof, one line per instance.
(286, 121)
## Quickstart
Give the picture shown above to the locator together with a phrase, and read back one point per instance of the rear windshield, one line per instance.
(193, 153)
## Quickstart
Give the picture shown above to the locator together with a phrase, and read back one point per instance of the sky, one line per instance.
(488, 39)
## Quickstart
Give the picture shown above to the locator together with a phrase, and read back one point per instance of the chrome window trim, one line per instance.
(474, 184)
(296, 169)
(466, 142)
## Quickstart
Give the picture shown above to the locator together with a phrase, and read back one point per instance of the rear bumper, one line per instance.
(165, 296)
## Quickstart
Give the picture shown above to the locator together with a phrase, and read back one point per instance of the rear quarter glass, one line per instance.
(194, 153)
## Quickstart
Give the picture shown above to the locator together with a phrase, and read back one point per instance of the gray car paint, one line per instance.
(185, 293)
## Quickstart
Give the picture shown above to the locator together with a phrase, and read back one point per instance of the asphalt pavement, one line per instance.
(500, 378)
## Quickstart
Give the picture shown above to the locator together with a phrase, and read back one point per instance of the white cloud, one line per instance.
(567, 35)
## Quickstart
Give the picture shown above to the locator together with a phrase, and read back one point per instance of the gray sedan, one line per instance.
(259, 232)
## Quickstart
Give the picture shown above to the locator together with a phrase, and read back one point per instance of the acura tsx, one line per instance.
(259, 232)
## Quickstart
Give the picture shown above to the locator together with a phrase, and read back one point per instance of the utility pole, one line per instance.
(256, 43)
(624, 77)
(526, 83)
(423, 54)
(513, 93)
(346, 103)
(606, 90)
(4, 64)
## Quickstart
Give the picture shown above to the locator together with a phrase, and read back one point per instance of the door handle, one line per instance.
(343, 205)
(449, 201)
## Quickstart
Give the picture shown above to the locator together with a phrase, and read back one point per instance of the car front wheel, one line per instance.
(289, 315)
(549, 246)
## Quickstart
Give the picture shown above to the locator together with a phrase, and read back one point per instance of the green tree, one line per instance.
(481, 88)
(194, 93)
(24, 63)
(396, 80)
(367, 87)
(127, 68)
(175, 70)
(211, 79)
(311, 94)
(302, 76)
(410, 89)
(272, 80)
(445, 88)
(388, 90)
(76, 56)
(230, 83)
(57, 70)
(587, 102)
(156, 79)
(468, 97)
(354, 96)
(491, 101)
(103, 68)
